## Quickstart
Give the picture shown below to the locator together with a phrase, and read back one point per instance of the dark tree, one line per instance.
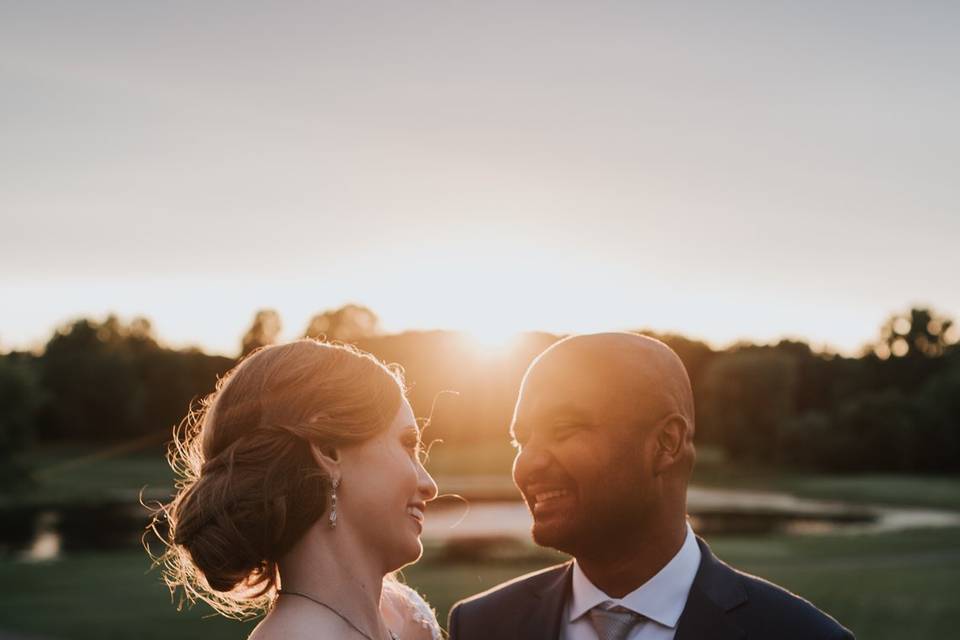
(349, 323)
(92, 377)
(748, 393)
(918, 333)
(21, 397)
(264, 330)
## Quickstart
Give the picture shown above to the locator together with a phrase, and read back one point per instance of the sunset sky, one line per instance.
(728, 170)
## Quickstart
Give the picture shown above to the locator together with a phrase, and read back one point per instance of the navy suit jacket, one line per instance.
(724, 604)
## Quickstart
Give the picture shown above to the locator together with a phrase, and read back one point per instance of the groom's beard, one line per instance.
(606, 523)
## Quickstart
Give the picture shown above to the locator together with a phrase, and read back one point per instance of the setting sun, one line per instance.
(491, 340)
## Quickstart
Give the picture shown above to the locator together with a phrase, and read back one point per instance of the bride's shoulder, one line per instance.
(415, 617)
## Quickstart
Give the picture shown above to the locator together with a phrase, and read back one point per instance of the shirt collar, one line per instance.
(661, 598)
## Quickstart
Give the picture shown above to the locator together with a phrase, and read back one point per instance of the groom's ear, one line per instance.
(327, 458)
(671, 436)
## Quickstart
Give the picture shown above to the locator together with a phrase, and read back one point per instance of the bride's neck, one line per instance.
(331, 565)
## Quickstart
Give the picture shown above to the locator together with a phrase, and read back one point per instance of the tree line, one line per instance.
(895, 407)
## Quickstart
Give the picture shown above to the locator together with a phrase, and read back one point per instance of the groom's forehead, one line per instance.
(569, 393)
(559, 408)
(573, 378)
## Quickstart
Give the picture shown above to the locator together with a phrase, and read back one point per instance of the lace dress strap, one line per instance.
(418, 610)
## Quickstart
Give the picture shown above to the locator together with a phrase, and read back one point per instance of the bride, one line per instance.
(301, 491)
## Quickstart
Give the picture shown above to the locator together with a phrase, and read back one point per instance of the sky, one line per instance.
(745, 170)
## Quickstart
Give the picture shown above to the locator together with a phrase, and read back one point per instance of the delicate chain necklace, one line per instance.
(282, 592)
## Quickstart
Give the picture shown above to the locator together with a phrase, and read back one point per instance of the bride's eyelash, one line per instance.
(414, 443)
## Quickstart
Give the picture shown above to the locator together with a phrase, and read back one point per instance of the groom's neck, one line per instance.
(636, 557)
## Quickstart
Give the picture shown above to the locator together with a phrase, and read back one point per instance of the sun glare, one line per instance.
(491, 340)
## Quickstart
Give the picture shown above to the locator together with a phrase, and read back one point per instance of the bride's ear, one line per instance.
(328, 459)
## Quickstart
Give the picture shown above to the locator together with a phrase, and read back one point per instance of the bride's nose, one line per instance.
(426, 485)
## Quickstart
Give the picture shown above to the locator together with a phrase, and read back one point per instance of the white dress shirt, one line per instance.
(660, 600)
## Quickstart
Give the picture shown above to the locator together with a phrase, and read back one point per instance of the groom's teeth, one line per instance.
(547, 495)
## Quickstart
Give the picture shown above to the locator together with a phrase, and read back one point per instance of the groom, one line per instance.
(604, 431)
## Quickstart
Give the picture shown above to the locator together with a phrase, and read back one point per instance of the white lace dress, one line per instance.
(417, 619)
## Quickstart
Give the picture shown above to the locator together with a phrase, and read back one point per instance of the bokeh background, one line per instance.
(771, 188)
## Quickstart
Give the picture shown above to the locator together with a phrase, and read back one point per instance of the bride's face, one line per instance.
(385, 489)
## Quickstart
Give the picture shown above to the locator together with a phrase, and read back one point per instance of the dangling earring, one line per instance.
(333, 503)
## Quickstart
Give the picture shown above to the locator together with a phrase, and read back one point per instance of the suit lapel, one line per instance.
(702, 619)
(544, 616)
(716, 590)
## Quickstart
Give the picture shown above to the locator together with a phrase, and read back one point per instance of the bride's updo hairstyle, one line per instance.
(248, 487)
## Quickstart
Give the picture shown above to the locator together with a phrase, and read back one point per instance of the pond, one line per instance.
(712, 512)
(44, 533)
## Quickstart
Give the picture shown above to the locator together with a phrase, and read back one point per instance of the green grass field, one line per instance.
(882, 586)
(935, 492)
(70, 474)
(890, 585)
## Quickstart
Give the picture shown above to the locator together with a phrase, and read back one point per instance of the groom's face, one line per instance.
(581, 463)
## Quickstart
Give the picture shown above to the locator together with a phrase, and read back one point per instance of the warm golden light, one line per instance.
(491, 340)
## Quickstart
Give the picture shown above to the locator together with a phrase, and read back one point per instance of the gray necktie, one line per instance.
(613, 624)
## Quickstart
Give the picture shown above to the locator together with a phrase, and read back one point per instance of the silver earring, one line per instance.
(333, 503)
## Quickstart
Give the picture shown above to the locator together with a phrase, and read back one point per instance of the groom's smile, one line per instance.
(546, 501)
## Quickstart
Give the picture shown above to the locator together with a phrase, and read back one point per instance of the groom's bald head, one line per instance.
(604, 424)
(640, 366)
(641, 377)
